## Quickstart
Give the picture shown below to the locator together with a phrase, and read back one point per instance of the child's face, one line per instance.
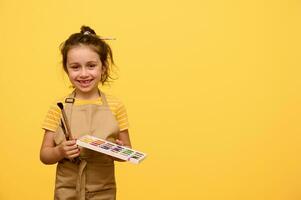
(84, 69)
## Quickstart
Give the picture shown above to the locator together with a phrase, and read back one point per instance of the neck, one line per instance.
(94, 94)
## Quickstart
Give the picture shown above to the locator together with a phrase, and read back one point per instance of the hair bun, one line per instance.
(87, 30)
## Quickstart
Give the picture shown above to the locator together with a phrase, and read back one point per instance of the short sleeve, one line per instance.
(52, 119)
(122, 117)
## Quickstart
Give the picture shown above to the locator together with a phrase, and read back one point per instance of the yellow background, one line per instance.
(212, 90)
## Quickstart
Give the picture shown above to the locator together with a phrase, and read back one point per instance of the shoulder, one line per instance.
(113, 100)
(115, 103)
(52, 118)
(54, 104)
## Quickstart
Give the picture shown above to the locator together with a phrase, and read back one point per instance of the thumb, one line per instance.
(119, 142)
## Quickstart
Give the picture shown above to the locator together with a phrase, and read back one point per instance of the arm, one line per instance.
(122, 119)
(123, 140)
(51, 154)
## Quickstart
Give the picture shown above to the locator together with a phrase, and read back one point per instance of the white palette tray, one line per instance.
(111, 149)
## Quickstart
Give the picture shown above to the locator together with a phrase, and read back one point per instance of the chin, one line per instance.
(86, 89)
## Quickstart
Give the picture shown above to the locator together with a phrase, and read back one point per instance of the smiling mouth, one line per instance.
(85, 82)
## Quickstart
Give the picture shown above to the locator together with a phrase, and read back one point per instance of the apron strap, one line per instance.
(71, 98)
(103, 98)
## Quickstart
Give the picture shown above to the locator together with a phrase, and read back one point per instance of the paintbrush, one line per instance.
(65, 124)
(66, 128)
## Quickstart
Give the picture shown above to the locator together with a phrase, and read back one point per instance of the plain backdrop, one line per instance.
(212, 90)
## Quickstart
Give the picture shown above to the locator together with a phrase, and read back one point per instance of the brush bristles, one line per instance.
(60, 105)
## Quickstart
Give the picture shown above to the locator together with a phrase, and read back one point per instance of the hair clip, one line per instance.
(87, 33)
(107, 38)
(102, 38)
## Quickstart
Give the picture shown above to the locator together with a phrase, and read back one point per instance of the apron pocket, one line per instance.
(107, 194)
(66, 176)
(100, 177)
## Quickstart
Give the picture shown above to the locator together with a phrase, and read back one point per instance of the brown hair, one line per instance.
(87, 36)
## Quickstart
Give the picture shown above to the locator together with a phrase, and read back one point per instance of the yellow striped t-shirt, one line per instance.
(53, 116)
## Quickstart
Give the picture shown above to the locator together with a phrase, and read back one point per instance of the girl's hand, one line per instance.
(119, 142)
(69, 149)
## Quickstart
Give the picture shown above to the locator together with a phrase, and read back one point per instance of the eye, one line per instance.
(91, 66)
(74, 67)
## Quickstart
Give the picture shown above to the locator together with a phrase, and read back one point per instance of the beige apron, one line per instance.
(93, 177)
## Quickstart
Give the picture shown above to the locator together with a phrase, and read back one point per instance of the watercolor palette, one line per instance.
(109, 148)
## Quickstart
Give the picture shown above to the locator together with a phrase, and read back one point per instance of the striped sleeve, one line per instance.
(121, 116)
(52, 119)
(119, 111)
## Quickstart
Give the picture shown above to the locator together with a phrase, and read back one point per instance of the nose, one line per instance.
(83, 72)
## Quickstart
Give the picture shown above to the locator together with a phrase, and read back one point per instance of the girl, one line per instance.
(87, 59)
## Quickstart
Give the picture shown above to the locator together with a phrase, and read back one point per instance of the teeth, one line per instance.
(87, 81)
(84, 82)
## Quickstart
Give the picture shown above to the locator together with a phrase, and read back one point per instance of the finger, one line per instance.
(72, 152)
(73, 156)
(70, 148)
(70, 142)
(119, 142)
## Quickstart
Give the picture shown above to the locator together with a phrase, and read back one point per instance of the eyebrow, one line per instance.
(76, 63)
(92, 61)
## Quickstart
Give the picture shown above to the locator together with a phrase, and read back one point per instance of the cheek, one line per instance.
(71, 76)
(98, 75)
(97, 72)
